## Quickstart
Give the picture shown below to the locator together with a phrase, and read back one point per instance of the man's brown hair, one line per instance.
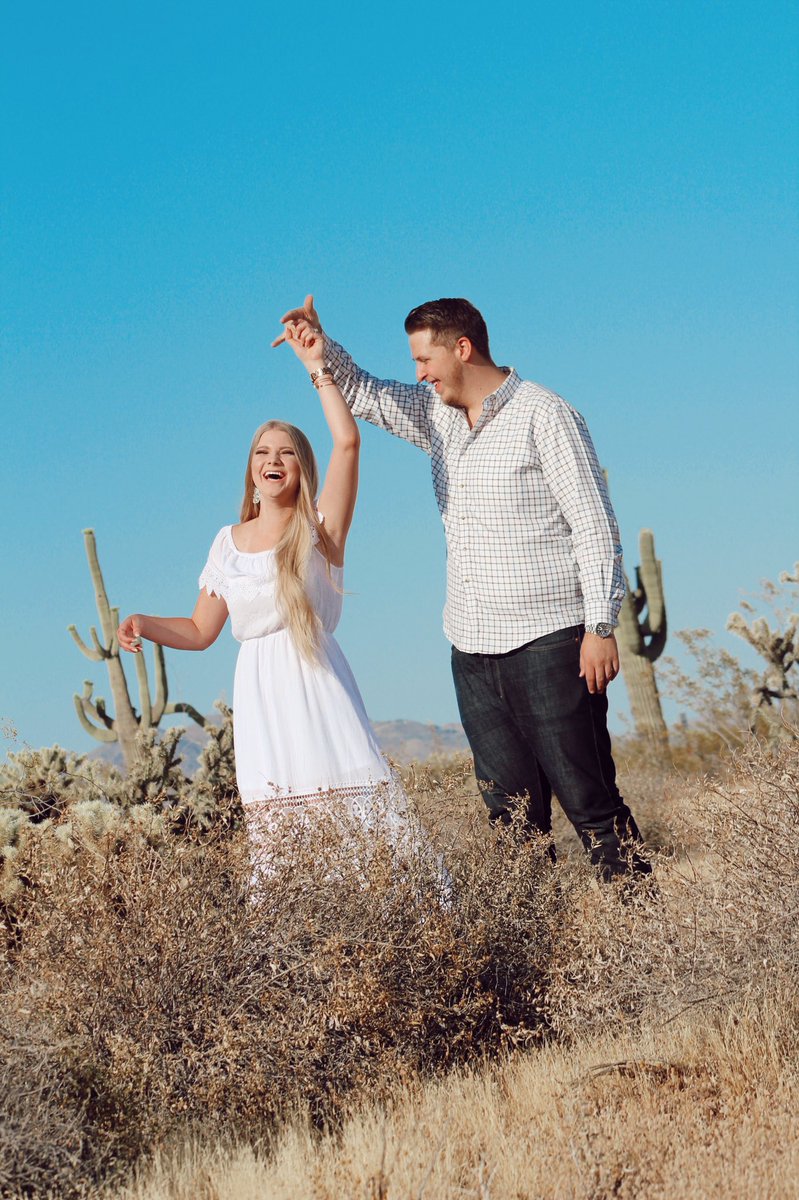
(448, 320)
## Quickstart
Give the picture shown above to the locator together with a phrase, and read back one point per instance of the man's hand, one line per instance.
(308, 344)
(599, 661)
(305, 318)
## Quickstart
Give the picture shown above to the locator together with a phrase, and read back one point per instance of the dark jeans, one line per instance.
(534, 727)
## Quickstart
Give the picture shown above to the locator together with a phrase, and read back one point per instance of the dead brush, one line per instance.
(190, 989)
(164, 987)
(721, 925)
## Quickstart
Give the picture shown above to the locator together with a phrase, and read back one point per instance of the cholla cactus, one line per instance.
(213, 798)
(126, 722)
(155, 777)
(44, 783)
(642, 637)
(217, 766)
(779, 649)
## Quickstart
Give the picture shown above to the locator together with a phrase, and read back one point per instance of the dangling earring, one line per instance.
(256, 496)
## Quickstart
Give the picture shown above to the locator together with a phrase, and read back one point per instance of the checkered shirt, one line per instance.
(532, 540)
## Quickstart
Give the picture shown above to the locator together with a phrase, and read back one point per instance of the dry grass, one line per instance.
(523, 1032)
(692, 1111)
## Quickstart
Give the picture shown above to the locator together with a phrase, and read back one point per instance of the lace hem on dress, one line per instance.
(380, 809)
(381, 803)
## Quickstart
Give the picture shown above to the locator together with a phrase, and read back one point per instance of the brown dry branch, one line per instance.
(154, 987)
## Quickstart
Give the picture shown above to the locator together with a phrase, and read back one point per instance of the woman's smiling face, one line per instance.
(275, 470)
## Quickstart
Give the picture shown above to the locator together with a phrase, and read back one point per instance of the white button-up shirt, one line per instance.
(532, 540)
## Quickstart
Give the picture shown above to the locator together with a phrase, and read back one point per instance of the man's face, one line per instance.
(441, 366)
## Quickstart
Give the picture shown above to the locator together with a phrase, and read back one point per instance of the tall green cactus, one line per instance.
(641, 640)
(126, 722)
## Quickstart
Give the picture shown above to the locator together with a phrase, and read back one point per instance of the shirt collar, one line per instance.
(494, 401)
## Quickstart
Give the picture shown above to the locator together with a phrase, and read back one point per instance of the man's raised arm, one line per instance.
(403, 409)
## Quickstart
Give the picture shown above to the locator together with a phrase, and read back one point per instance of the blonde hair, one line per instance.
(293, 551)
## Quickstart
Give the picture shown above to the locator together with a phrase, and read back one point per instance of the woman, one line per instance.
(302, 736)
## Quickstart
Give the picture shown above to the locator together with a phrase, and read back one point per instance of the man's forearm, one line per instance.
(399, 408)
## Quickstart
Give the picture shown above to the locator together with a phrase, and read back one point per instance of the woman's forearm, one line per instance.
(179, 633)
(342, 424)
(196, 632)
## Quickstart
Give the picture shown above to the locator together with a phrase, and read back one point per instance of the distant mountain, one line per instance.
(404, 741)
(412, 741)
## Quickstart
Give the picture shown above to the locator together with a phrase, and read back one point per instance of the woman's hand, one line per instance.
(129, 633)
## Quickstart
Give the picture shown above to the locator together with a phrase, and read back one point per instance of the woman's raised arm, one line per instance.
(196, 632)
(340, 489)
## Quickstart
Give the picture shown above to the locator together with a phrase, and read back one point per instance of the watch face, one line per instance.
(602, 629)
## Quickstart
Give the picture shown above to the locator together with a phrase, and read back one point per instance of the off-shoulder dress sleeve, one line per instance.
(212, 576)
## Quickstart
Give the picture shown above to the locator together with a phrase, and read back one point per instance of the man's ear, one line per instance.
(464, 349)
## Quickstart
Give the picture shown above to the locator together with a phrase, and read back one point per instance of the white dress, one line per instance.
(301, 733)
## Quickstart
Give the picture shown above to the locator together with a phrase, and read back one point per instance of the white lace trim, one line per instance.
(381, 808)
(318, 799)
(214, 582)
(377, 800)
(250, 587)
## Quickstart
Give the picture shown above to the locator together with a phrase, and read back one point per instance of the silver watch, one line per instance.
(601, 629)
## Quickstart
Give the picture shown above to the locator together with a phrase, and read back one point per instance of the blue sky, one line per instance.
(614, 185)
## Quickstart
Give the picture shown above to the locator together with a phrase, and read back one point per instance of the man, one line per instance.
(534, 575)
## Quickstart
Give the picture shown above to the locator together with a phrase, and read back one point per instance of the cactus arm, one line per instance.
(145, 707)
(628, 632)
(637, 594)
(100, 594)
(190, 711)
(84, 708)
(95, 707)
(95, 655)
(641, 640)
(161, 683)
(651, 576)
(98, 646)
(645, 636)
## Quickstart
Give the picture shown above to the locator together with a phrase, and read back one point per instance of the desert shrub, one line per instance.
(189, 986)
(716, 690)
(721, 924)
(42, 784)
(157, 981)
(54, 1140)
(64, 800)
(731, 702)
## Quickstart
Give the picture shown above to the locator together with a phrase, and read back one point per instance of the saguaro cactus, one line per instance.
(124, 725)
(642, 636)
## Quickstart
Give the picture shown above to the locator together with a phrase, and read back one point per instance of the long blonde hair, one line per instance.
(293, 551)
